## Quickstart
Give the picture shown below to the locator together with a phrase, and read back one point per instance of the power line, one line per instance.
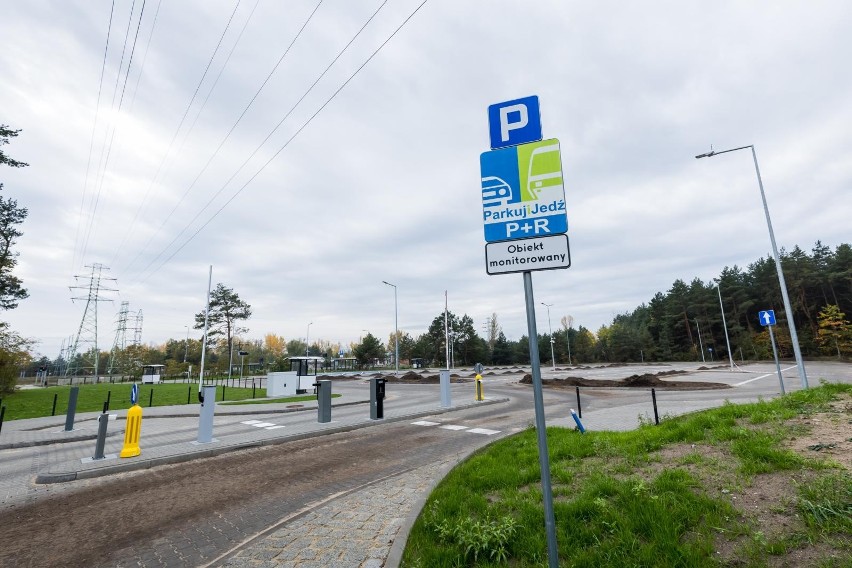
(114, 128)
(263, 142)
(177, 131)
(225, 139)
(287, 143)
(92, 141)
(145, 55)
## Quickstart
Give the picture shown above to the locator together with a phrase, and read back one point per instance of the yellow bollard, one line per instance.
(479, 394)
(132, 433)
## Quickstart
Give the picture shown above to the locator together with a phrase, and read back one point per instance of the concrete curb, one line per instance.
(136, 464)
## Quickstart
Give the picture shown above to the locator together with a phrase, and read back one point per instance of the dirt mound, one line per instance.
(647, 380)
(413, 378)
(339, 377)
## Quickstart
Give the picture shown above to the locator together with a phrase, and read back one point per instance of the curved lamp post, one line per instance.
(395, 325)
(724, 324)
(794, 337)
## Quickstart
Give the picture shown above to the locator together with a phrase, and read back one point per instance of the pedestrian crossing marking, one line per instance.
(458, 428)
(485, 431)
(259, 424)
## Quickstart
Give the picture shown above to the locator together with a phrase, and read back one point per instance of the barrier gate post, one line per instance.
(323, 401)
(377, 395)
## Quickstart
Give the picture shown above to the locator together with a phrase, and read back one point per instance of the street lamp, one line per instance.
(552, 357)
(307, 340)
(395, 325)
(700, 343)
(186, 345)
(725, 325)
(794, 337)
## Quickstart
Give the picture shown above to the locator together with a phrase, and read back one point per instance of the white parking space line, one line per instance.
(425, 423)
(274, 427)
(762, 377)
(454, 427)
(259, 424)
(485, 431)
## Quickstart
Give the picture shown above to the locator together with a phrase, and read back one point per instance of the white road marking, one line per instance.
(762, 377)
(455, 427)
(259, 424)
(485, 431)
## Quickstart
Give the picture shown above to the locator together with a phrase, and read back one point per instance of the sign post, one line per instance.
(525, 223)
(767, 319)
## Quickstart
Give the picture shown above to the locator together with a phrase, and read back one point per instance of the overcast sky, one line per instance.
(159, 174)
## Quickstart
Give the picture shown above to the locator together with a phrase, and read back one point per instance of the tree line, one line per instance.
(14, 349)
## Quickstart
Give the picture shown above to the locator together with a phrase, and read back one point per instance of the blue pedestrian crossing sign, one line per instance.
(523, 193)
(514, 122)
(766, 317)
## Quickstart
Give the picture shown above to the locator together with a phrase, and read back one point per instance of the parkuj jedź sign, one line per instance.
(523, 193)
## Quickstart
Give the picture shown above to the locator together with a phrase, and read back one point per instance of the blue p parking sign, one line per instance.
(514, 122)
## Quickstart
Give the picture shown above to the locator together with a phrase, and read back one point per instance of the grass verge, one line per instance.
(34, 403)
(715, 488)
(279, 400)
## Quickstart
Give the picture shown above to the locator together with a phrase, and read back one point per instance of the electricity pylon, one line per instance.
(137, 329)
(87, 333)
(120, 342)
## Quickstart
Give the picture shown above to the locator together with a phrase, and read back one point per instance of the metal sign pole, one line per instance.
(541, 431)
(775, 356)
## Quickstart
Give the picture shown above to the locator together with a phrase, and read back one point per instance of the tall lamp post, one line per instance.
(308, 340)
(186, 345)
(700, 343)
(552, 357)
(395, 326)
(794, 337)
(724, 324)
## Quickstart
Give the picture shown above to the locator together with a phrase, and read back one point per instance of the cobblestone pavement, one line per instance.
(357, 530)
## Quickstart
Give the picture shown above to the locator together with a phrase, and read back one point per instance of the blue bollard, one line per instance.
(577, 420)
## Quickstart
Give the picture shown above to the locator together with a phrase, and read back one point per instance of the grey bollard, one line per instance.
(103, 421)
(205, 415)
(72, 408)
(377, 395)
(323, 401)
(446, 402)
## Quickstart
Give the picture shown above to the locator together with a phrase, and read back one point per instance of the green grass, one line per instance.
(618, 502)
(34, 403)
